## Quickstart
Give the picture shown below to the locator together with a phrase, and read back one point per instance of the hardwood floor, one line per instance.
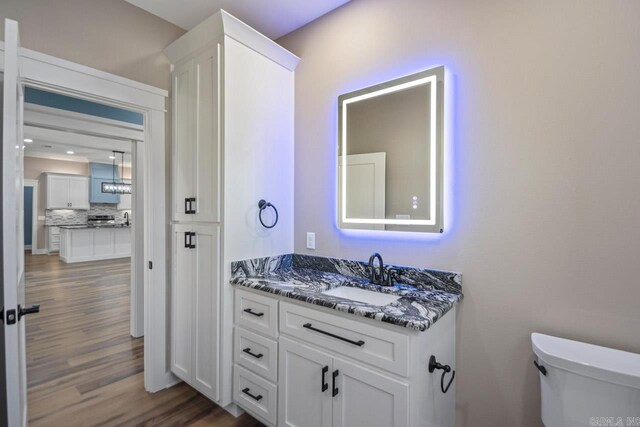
(83, 367)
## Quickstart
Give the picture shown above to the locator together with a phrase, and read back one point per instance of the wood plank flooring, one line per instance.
(83, 367)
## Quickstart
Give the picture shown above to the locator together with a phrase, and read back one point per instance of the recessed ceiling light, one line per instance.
(69, 152)
(28, 140)
(112, 157)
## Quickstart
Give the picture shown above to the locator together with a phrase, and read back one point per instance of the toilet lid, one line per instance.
(606, 364)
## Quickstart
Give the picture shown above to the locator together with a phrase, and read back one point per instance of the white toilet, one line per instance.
(585, 384)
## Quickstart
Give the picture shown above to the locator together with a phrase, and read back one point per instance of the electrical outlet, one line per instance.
(311, 240)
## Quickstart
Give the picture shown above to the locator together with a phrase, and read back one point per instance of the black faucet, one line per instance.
(382, 277)
(376, 279)
(126, 217)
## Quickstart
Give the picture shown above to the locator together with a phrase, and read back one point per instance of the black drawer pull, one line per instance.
(359, 343)
(335, 389)
(254, 397)
(325, 386)
(248, 310)
(248, 351)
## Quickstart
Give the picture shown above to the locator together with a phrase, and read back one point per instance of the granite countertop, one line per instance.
(425, 295)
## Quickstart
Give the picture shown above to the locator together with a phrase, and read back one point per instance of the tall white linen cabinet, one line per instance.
(232, 117)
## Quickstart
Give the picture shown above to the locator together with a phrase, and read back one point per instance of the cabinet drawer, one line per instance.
(256, 312)
(256, 395)
(54, 231)
(374, 345)
(54, 238)
(256, 353)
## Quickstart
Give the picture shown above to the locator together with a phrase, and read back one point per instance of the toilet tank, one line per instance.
(585, 384)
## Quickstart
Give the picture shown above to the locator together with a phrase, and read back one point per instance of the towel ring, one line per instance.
(263, 204)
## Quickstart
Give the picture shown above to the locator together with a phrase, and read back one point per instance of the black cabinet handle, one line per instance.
(191, 244)
(248, 310)
(325, 386)
(30, 310)
(335, 389)
(187, 209)
(187, 237)
(359, 343)
(248, 351)
(248, 393)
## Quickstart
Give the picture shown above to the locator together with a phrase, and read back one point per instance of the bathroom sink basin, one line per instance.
(362, 295)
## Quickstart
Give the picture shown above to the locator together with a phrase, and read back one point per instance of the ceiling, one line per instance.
(54, 144)
(273, 18)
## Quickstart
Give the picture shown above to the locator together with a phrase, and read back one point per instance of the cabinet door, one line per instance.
(302, 402)
(206, 296)
(182, 290)
(207, 135)
(183, 140)
(366, 398)
(57, 192)
(79, 192)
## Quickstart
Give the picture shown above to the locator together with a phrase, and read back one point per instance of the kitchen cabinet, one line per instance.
(232, 145)
(52, 239)
(194, 297)
(81, 244)
(65, 191)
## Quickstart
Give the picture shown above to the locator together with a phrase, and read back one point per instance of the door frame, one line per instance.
(33, 183)
(151, 230)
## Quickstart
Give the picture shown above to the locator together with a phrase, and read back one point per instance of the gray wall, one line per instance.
(545, 189)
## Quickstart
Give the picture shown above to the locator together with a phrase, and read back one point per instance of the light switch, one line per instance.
(311, 240)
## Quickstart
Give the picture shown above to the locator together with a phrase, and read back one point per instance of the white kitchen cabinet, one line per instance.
(93, 244)
(52, 240)
(65, 191)
(232, 145)
(195, 296)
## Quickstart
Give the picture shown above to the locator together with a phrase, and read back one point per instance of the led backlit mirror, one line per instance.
(390, 150)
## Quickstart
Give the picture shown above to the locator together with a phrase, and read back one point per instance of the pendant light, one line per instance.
(117, 187)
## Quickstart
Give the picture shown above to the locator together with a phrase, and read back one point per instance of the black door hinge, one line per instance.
(11, 317)
(150, 265)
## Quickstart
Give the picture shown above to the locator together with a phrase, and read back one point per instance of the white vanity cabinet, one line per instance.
(64, 191)
(194, 296)
(232, 143)
(339, 370)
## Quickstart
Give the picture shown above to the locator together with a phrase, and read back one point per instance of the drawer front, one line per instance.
(254, 394)
(256, 353)
(55, 238)
(257, 313)
(54, 231)
(374, 345)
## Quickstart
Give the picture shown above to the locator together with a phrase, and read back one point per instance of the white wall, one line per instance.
(545, 194)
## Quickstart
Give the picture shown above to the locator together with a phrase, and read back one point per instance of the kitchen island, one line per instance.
(80, 243)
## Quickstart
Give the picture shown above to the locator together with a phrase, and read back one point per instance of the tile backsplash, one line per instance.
(73, 217)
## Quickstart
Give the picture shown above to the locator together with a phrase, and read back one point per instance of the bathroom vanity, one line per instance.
(315, 344)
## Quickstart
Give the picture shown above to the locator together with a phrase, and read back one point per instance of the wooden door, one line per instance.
(366, 398)
(305, 386)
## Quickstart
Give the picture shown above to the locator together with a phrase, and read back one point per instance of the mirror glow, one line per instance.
(428, 85)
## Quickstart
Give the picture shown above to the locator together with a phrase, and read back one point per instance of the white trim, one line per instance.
(223, 23)
(34, 183)
(57, 75)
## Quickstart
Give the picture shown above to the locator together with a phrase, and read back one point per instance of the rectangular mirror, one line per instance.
(390, 149)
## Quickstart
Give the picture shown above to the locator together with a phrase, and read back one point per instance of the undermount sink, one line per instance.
(362, 295)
